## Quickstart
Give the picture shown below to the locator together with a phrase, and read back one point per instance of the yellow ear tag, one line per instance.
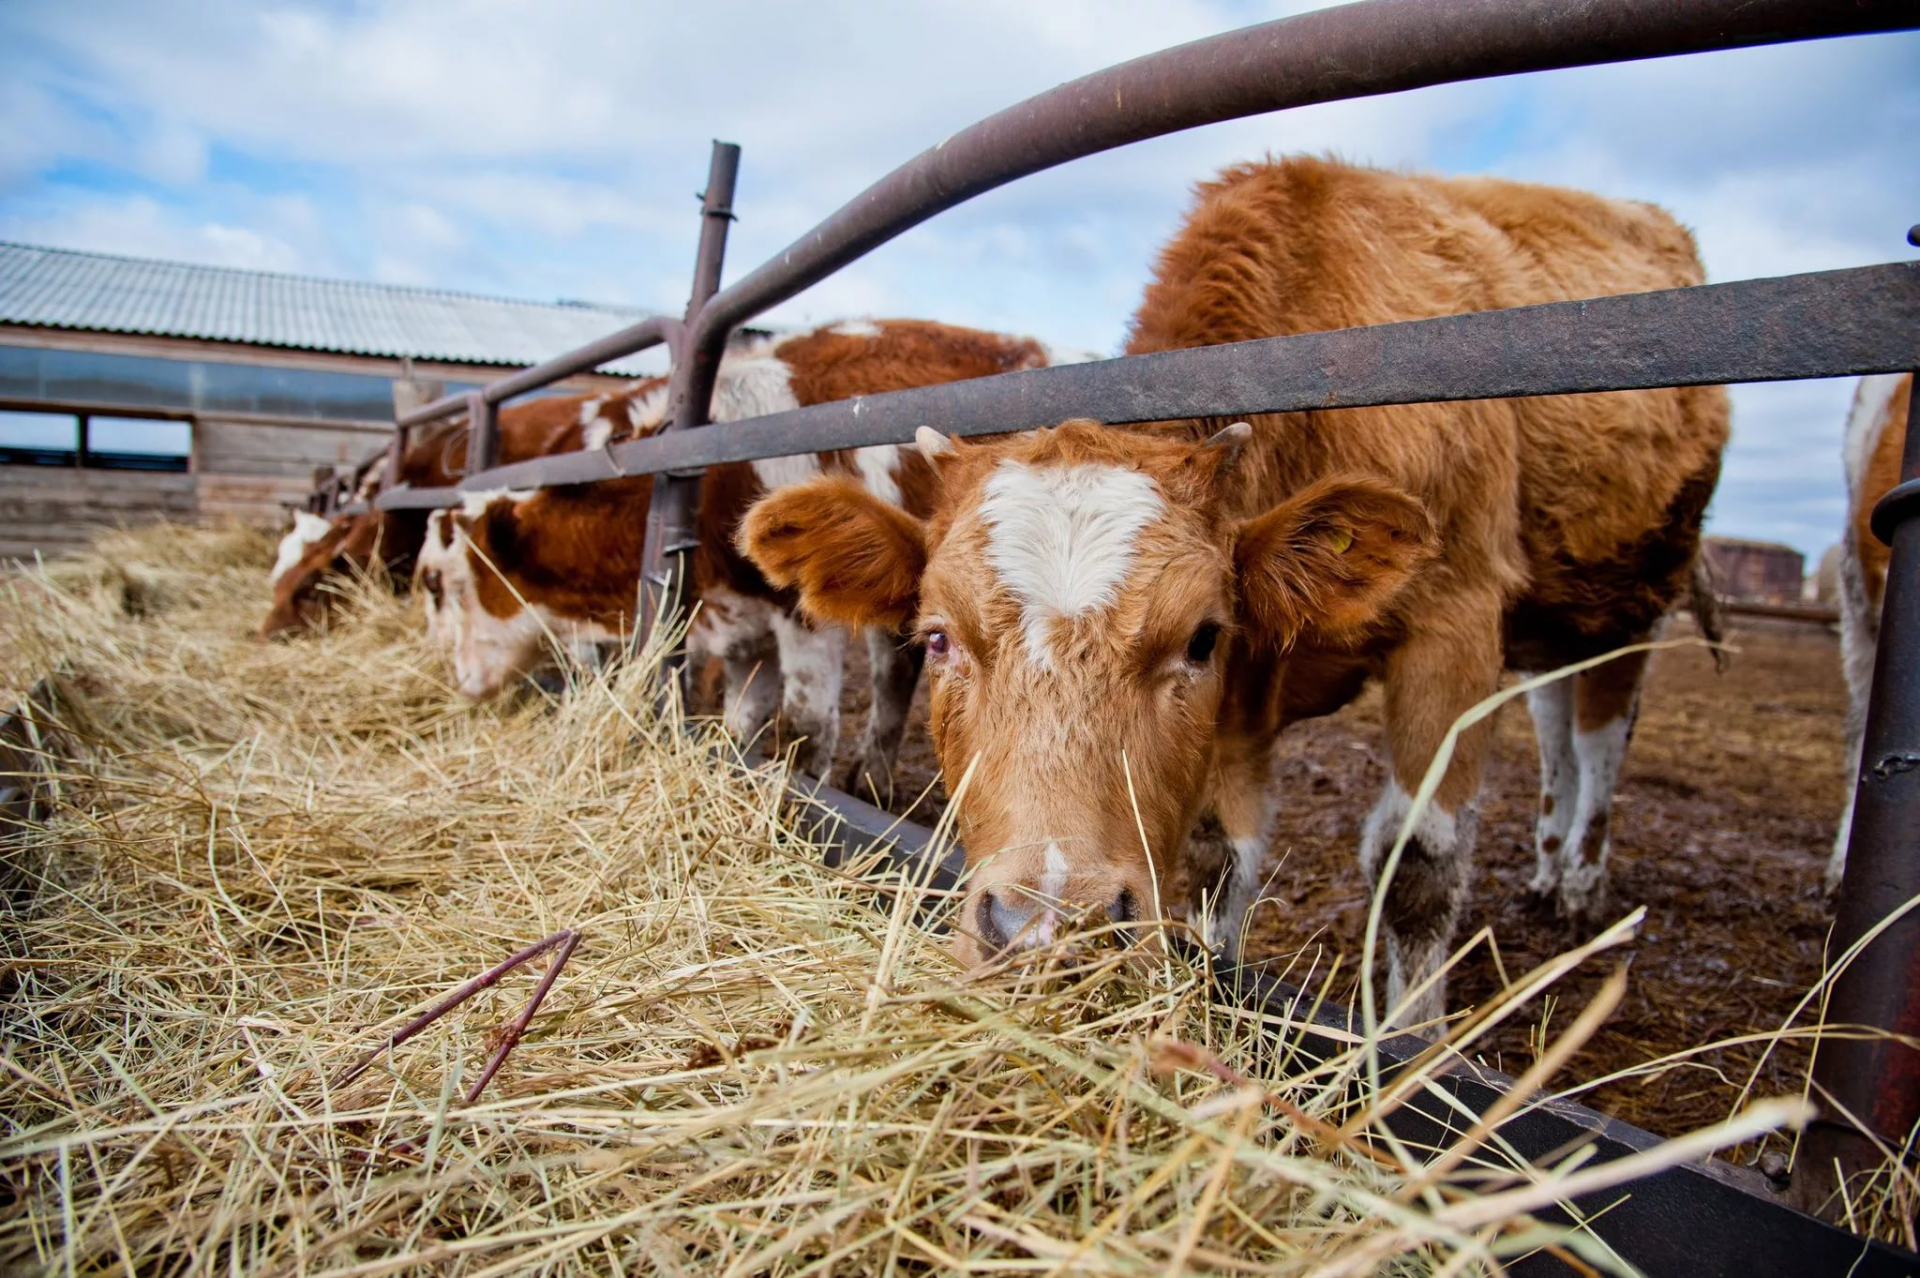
(1342, 541)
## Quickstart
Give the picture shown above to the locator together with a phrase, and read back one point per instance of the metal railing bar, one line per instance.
(407, 498)
(1353, 51)
(631, 340)
(1826, 324)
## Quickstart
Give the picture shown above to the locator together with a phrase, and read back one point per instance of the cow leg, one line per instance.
(1606, 701)
(1242, 795)
(1859, 638)
(894, 662)
(812, 666)
(1441, 670)
(1552, 710)
(1244, 802)
(739, 631)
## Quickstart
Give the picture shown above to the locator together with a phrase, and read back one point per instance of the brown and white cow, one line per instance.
(562, 564)
(1119, 622)
(1876, 435)
(316, 554)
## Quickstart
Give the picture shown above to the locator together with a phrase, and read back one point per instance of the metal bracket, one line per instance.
(1893, 765)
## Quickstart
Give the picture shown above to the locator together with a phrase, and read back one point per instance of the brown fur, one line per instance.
(434, 459)
(1880, 475)
(860, 569)
(906, 354)
(539, 549)
(1544, 529)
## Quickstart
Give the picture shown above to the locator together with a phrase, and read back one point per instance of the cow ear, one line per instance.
(854, 559)
(1330, 559)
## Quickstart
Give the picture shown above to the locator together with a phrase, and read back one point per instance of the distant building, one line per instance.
(132, 390)
(1755, 571)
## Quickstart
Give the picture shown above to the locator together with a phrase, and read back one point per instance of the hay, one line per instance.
(267, 857)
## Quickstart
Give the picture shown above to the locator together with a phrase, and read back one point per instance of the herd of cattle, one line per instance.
(1116, 623)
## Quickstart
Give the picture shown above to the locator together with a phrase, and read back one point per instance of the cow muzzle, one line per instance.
(1010, 919)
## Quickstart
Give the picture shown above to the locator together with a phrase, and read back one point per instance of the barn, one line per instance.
(1763, 572)
(133, 389)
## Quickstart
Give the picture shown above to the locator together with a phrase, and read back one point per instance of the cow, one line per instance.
(563, 563)
(387, 542)
(1876, 435)
(1118, 622)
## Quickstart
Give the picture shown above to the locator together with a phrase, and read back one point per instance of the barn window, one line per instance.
(39, 439)
(94, 441)
(137, 443)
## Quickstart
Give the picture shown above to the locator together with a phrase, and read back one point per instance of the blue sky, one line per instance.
(552, 151)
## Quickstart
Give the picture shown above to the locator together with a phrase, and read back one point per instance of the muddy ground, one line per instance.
(1723, 821)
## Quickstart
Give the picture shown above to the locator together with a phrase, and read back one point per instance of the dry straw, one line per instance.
(267, 858)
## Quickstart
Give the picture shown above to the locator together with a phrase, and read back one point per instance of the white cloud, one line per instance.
(172, 153)
(553, 150)
(138, 226)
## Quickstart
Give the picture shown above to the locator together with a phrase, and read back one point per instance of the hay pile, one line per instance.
(266, 857)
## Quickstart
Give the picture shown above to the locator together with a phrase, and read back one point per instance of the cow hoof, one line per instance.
(1585, 910)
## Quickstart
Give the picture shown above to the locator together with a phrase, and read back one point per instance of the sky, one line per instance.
(554, 150)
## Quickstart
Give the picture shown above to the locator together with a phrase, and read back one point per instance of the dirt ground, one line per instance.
(1721, 829)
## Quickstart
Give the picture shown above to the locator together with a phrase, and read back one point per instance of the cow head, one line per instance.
(505, 602)
(437, 553)
(1083, 593)
(302, 598)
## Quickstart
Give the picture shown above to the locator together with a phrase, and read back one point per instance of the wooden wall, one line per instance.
(242, 472)
(247, 470)
(55, 509)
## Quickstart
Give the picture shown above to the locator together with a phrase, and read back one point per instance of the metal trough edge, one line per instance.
(1691, 1221)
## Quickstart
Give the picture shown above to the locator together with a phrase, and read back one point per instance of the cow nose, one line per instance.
(1007, 919)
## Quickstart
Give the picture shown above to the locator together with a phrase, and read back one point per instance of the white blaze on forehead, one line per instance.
(1061, 538)
(1053, 883)
(855, 328)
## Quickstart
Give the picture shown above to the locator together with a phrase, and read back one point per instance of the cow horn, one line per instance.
(932, 444)
(1231, 440)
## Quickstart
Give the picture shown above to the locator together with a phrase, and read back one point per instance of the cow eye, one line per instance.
(938, 645)
(1200, 647)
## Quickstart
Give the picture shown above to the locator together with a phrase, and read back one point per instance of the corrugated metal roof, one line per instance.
(60, 288)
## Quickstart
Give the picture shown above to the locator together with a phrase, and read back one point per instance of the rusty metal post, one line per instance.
(483, 433)
(673, 514)
(1876, 1080)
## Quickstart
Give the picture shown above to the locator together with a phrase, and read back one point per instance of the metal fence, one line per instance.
(1703, 1219)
